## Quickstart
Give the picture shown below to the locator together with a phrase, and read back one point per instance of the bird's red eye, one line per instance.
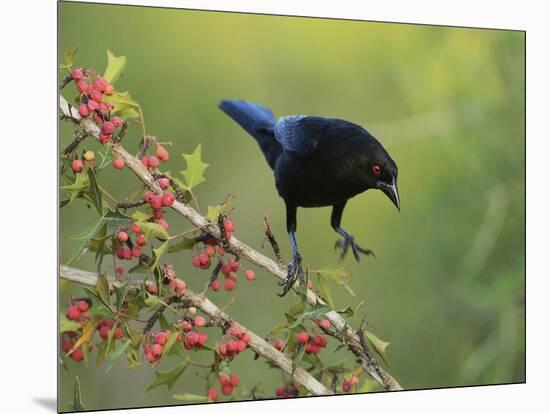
(376, 169)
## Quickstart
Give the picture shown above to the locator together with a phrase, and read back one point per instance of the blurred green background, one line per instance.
(447, 285)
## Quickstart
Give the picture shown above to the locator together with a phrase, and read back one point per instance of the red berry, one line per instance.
(241, 346)
(200, 321)
(156, 349)
(249, 274)
(148, 196)
(161, 338)
(145, 162)
(77, 74)
(232, 276)
(83, 306)
(212, 394)
(325, 324)
(118, 333)
(227, 389)
(135, 228)
(234, 265)
(220, 250)
(167, 199)
(280, 391)
(140, 240)
(228, 225)
(278, 345)
(229, 284)
(92, 106)
(226, 269)
(109, 89)
(136, 251)
(77, 165)
(302, 337)
(104, 138)
(104, 332)
(82, 86)
(234, 380)
(202, 338)
(204, 259)
(96, 95)
(83, 110)
(192, 338)
(77, 355)
(216, 285)
(119, 269)
(117, 121)
(196, 261)
(66, 346)
(126, 254)
(73, 313)
(162, 154)
(210, 250)
(153, 162)
(310, 284)
(164, 183)
(122, 236)
(118, 163)
(152, 289)
(231, 346)
(346, 386)
(108, 127)
(156, 201)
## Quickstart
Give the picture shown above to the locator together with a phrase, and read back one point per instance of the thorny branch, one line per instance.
(257, 344)
(345, 333)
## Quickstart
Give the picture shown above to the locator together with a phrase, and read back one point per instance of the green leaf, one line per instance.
(102, 350)
(99, 307)
(113, 355)
(66, 325)
(170, 342)
(68, 57)
(190, 397)
(102, 289)
(168, 378)
(141, 216)
(95, 193)
(77, 404)
(298, 355)
(347, 311)
(184, 244)
(123, 104)
(133, 355)
(85, 237)
(338, 275)
(152, 301)
(325, 290)
(378, 344)
(115, 67)
(194, 173)
(214, 211)
(153, 229)
(120, 294)
(78, 188)
(157, 253)
(115, 219)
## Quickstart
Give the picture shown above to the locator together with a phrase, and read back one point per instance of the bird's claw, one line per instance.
(295, 273)
(345, 244)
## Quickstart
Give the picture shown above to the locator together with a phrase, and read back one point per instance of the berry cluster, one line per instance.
(313, 343)
(67, 344)
(228, 383)
(157, 202)
(174, 283)
(348, 384)
(105, 327)
(236, 344)
(289, 390)
(153, 161)
(78, 310)
(127, 249)
(190, 337)
(153, 351)
(92, 89)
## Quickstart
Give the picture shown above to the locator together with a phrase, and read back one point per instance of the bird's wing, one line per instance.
(292, 136)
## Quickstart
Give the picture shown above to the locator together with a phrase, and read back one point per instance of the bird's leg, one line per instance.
(348, 240)
(294, 270)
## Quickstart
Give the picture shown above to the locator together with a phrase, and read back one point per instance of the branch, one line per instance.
(240, 249)
(257, 344)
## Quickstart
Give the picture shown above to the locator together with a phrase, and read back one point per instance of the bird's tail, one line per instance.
(259, 122)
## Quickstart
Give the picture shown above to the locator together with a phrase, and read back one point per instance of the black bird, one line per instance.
(317, 162)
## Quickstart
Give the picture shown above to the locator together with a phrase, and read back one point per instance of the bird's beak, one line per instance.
(391, 191)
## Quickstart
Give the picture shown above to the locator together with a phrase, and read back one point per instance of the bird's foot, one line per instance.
(295, 273)
(345, 244)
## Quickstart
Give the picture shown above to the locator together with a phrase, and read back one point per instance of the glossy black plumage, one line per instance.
(317, 162)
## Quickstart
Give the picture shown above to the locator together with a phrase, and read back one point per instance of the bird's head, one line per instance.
(382, 174)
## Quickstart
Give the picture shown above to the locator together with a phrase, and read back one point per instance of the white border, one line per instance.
(28, 33)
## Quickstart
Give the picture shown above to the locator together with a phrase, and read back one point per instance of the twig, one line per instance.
(274, 245)
(131, 204)
(81, 136)
(240, 249)
(257, 344)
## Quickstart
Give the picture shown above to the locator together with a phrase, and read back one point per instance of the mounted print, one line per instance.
(269, 207)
